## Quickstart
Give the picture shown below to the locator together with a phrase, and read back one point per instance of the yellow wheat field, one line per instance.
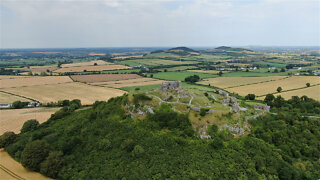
(271, 87)
(225, 82)
(92, 68)
(33, 80)
(13, 119)
(12, 170)
(130, 82)
(312, 92)
(89, 63)
(11, 77)
(88, 94)
(9, 99)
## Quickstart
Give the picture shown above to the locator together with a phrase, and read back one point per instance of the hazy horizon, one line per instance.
(160, 23)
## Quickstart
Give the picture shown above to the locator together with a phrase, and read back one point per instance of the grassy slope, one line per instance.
(180, 76)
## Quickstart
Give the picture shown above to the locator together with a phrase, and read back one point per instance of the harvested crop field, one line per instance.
(12, 170)
(13, 119)
(290, 83)
(103, 77)
(11, 77)
(88, 94)
(33, 80)
(130, 82)
(311, 92)
(227, 82)
(205, 71)
(9, 99)
(156, 62)
(89, 63)
(92, 68)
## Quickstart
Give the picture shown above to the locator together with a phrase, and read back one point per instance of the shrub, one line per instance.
(308, 84)
(279, 89)
(250, 97)
(192, 79)
(34, 153)
(217, 143)
(137, 151)
(29, 125)
(203, 111)
(7, 138)
(127, 145)
(52, 165)
(105, 144)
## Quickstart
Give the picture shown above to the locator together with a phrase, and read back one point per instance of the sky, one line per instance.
(158, 23)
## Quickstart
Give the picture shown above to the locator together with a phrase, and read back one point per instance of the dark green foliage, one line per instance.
(165, 117)
(217, 143)
(203, 111)
(19, 104)
(52, 165)
(127, 145)
(250, 97)
(192, 79)
(105, 143)
(220, 73)
(308, 84)
(34, 153)
(269, 98)
(7, 138)
(30, 125)
(140, 97)
(137, 151)
(279, 89)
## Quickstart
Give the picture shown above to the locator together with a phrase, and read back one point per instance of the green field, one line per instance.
(269, 64)
(180, 76)
(252, 74)
(154, 62)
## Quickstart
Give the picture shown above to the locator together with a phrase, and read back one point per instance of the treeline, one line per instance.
(104, 142)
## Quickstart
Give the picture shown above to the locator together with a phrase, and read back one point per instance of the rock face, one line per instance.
(195, 109)
(171, 85)
(262, 107)
(223, 93)
(233, 102)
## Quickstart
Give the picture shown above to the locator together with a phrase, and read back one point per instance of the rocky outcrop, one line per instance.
(262, 107)
(171, 85)
(223, 93)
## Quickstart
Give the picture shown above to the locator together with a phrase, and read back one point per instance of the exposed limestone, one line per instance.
(262, 107)
(195, 109)
(223, 93)
(171, 85)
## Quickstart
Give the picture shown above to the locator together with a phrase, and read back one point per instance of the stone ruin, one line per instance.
(171, 85)
(262, 107)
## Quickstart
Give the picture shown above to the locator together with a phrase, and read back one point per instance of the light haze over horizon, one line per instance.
(158, 23)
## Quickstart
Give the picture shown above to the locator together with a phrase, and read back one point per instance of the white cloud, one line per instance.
(76, 23)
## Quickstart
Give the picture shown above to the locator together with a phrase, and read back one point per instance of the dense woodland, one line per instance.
(104, 142)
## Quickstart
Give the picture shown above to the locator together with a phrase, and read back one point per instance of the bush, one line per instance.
(192, 79)
(203, 111)
(137, 151)
(34, 153)
(127, 145)
(19, 104)
(140, 97)
(7, 138)
(279, 89)
(29, 125)
(250, 97)
(217, 143)
(308, 84)
(52, 165)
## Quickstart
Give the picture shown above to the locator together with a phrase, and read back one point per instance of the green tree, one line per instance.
(250, 97)
(220, 73)
(7, 138)
(269, 98)
(308, 84)
(279, 89)
(34, 153)
(137, 151)
(52, 165)
(29, 125)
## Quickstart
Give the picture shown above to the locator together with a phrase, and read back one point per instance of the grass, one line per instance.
(253, 74)
(180, 76)
(141, 88)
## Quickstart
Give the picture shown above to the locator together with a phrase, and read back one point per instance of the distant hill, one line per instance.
(182, 49)
(226, 48)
